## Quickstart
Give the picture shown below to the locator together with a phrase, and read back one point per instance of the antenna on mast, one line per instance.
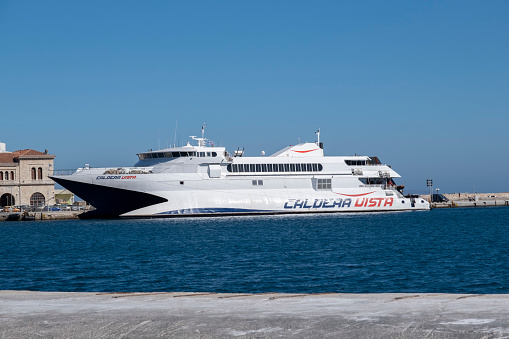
(175, 138)
(318, 134)
(201, 141)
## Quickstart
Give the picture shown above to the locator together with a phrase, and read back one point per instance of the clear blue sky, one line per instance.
(423, 85)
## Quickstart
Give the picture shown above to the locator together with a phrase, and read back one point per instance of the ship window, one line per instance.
(315, 167)
(202, 154)
(260, 182)
(324, 184)
(287, 168)
(309, 168)
(176, 154)
(208, 154)
(214, 154)
(252, 168)
(257, 182)
(355, 162)
(258, 168)
(264, 168)
(269, 167)
(292, 167)
(246, 168)
(298, 168)
(182, 183)
(281, 168)
(229, 167)
(320, 167)
(241, 167)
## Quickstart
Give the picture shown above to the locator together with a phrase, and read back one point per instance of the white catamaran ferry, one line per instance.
(203, 180)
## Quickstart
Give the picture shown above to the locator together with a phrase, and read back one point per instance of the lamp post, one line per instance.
(429, 183)
(475, 196)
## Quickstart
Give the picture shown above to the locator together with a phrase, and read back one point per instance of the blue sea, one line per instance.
(463, 250)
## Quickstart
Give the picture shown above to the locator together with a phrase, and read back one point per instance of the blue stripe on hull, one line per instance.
(213, 211)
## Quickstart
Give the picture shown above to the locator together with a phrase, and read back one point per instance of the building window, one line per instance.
(6, 175)
(34, 173)
(37, 199)
(1, 175)
(12, 175)
(39, 173)
(324, 185)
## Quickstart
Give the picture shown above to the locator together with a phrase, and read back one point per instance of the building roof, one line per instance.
(8, 157)
(29, 152)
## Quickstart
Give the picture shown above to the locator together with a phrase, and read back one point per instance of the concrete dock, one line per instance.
(26, 314)
(45, 215)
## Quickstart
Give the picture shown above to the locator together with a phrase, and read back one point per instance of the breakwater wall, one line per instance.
(467, 196)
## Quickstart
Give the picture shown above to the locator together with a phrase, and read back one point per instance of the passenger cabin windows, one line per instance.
(257, 182)
(324, 184)
(356, 162)
(156, 155)
(270, 168)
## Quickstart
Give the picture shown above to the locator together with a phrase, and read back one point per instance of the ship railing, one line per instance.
(382, 186)
(128, 170)
(64, 171)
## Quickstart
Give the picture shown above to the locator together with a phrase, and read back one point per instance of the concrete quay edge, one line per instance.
(26, 314)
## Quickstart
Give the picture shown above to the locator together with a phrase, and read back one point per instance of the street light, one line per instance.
(429, 183)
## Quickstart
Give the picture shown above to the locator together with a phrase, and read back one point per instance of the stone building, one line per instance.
(24, 177)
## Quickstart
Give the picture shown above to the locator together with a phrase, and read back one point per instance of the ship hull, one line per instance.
(168, 195)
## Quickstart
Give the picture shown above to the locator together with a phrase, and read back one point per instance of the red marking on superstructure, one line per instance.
(354, 195)
(311, 150)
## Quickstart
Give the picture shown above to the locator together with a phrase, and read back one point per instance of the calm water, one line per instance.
(449, 250)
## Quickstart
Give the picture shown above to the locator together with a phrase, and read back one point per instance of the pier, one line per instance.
(26, 314)
(44, 215)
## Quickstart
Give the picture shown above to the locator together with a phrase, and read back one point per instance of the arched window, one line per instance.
(12, 175)
(6, 175)
(34, 173)
(1, 175)
(39, 173)
(37, 199)
(7, 200)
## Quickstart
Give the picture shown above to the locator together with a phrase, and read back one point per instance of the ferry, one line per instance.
(205, 180)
